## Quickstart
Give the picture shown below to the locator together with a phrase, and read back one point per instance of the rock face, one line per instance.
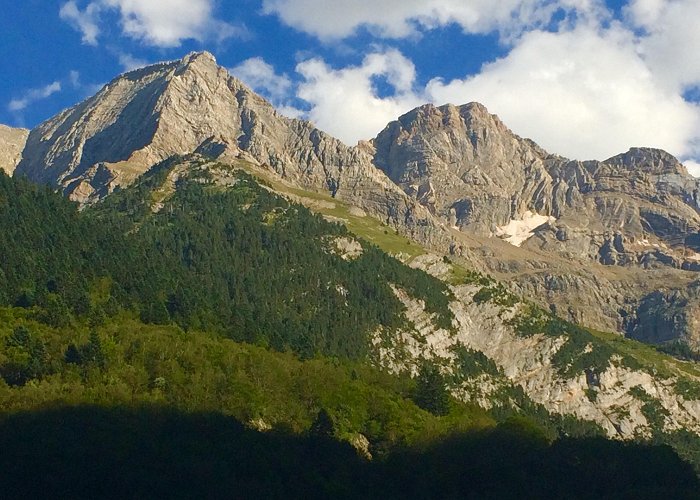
(12, 142)
(612, 244)
(465, 165)
(617, 397)
(193, 105)
(664, 314)
(595, 237)
(638, 210)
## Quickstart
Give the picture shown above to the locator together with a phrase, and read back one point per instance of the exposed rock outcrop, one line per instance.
(625, 401)
(465, 165)
(461, 180)
(12, 142)
(638, 210)
(194, 105)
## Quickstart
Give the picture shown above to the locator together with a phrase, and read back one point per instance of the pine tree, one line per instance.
(431, 391)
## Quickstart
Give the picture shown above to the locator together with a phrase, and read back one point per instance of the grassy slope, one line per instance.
(364, 226)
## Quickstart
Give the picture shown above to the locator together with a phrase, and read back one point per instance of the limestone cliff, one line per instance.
(639, 210)
(465, 165)
(616, 386)
(194, 105)
(593, 238)
(12, 142)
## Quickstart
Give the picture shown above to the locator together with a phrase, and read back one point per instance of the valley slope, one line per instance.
(164, 157)
(607, 244)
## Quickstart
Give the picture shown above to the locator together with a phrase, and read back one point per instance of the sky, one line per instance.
(586, 79)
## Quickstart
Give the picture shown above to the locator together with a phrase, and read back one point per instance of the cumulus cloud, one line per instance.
(85, 21)
(348, 102)
(590, 87)
(33, 95)
(401, 18)
(261, 76)
(671, 41)
(278, 88)
(160, 23)
(582, 94)
(585, 94)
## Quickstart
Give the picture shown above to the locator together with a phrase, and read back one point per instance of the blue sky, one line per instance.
(584, 78)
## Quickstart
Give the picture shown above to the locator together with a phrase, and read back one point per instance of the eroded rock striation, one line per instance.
(194, 105)
(638, 208)
(593, 238)
(626, 397)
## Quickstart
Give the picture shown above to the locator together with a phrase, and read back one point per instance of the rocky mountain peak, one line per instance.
(193, 105)
(202, 57)
(649, 160)
(135, 121)
(472, 119)
(454, 166)
(463, 163)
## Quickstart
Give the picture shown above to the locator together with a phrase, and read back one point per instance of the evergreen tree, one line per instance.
(323, 426)
(431, 391)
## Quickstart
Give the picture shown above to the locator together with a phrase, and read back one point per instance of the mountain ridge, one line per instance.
(450, 177)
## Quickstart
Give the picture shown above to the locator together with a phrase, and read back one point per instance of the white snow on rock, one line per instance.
(518, 231)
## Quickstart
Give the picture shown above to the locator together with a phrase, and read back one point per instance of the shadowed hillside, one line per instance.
(88, 452)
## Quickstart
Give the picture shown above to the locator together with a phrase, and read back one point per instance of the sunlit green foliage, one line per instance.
(210, 259)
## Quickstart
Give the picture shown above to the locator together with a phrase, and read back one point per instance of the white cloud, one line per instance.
(161, 23)
(34, 95)
(85, 21)
(347, 103)
(583, 94)
(129, 62)
(261, 77)
(644, 13)
(693, 167)
(400, 18)
(74, 79)
(670, 47)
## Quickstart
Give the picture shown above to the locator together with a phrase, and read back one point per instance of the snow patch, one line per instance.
(516, 232)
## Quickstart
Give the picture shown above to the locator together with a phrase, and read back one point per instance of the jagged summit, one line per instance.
(199, 56)
(650, 160)
(194, 105)
(440, 174)
(464, 163)
(136, 120)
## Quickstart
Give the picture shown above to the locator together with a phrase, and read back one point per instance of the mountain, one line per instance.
(12, 141)
(637, 208)
(460, 177)
(213, 235)
(198, 245)
(575, 223)
(193, 105)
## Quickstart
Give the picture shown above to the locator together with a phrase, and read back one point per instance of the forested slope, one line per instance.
(192, 313)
